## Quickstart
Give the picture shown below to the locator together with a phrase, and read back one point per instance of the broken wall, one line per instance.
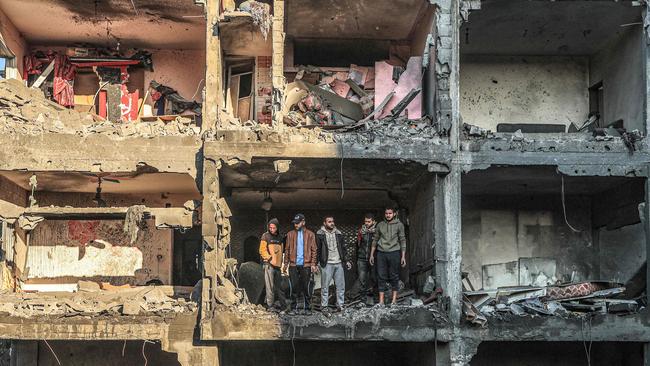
(619, 68)
(619, 232)
(421, 31)
(421, 229)
(65, 250)
(13, 40)
(182, 70)
(499, 230)
(523, 89)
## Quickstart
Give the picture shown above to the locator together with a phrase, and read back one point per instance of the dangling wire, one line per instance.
(564, 209)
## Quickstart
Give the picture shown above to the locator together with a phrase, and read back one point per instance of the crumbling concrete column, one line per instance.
(645, 218)
(646, 53)
(213, 97)
(277, 68)
(447, 24)
(447, 252)
(210, 252)
(458, 352)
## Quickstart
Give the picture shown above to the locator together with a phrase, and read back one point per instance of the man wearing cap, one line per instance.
(300, 256)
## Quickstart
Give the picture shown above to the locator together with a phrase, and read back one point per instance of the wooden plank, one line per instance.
(48, 70)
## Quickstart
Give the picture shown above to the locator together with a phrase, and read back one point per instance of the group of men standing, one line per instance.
(380, 250)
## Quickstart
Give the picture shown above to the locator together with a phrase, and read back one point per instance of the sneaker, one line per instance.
(326, 311)
(379, 305)
(339, 309)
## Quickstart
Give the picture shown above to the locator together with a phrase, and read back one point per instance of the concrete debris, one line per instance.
(227, 294)
(261, 14)
(349, 317)
(133, 220)
(29, 222)
(150, 300)
(475, 131)
(392, 129)
(27, 111)
(88, 286)
(343, 98)
(569, 300)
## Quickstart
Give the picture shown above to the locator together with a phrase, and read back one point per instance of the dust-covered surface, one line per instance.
(25, 110)
(149, 300)
(349, 317)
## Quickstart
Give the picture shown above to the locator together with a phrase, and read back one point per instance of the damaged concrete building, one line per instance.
(146, 144)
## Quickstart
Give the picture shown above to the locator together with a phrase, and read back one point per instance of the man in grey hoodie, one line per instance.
(389, 241)
(331, 255)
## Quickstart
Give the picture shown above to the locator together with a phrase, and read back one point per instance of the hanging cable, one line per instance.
(197, 89)
(293, 346)
(586, 334)
(341, 169)
(55, 356)
(564, 209)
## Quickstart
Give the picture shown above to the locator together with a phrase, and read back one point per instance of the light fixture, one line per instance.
(267, 203)
(98, 194)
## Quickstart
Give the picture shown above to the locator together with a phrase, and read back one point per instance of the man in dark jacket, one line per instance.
(389, 241)
(271, 254)
(300, 256)
(331, 255)
(364, 242)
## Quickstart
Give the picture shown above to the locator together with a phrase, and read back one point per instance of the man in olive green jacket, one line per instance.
(389, 241)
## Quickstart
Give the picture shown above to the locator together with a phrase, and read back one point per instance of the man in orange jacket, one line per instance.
(271, 248)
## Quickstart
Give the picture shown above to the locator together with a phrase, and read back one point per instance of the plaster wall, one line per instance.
(523, 89)
(619, 67)
(99, 249)
(503, 229)
(183, 70)
(622, 252)
(13, 40)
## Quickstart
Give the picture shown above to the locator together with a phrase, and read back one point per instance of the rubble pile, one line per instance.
(261, 14)
(573, 299)
(341, 98)
(395, 129)
(349, 316)
(519, 140)
(150, 300)
(373, 131)
(27, 111)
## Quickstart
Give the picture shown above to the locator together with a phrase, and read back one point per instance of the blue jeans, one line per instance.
(328, 272)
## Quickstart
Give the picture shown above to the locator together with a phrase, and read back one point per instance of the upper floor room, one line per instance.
(120, 68)
(341, 69)
(544, 70)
